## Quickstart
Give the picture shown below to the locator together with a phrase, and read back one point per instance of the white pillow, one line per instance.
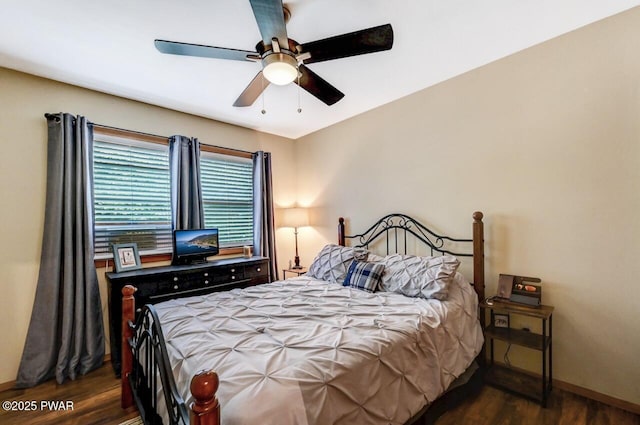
(374, 258)
(332, 262)
(413, 276)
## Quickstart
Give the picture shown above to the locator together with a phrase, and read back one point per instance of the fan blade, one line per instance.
(186, 49)
(270, 18)
(317, 86)
(253, 91)
(375, 39)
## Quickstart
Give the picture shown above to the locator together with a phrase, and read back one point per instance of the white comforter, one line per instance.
(304, 351)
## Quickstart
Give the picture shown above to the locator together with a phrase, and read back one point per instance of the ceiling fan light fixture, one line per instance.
(280, 68)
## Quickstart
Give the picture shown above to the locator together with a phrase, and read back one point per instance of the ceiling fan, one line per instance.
(284, 60)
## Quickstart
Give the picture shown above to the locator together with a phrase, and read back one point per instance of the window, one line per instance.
(133, 193)
(227, 195)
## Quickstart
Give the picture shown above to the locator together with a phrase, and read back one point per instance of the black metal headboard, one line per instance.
(401, 224)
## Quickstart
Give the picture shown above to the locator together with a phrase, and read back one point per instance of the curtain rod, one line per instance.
(165, 137)
(127, 130)
(51, 116)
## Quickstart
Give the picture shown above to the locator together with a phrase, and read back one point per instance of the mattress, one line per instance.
(305, 351)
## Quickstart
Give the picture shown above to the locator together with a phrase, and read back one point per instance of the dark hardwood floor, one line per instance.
(496, 407)
(95, 397)
(96, 400)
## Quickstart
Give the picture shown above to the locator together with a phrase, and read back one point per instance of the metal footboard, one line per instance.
(151, 368)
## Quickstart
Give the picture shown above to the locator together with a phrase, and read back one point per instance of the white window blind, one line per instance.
(227, 194)
(132, 195)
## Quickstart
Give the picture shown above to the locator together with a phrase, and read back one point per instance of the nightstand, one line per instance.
(296, 272)
(510, 379)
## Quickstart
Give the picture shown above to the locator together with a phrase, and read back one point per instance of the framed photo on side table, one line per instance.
(126, 257)
(501, 320)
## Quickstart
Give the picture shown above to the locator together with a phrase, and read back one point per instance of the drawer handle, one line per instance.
(259, 269)
(233, 278)
(206, 274)
(206, 282)
(175, 286)
(233, 270)
(175, 278)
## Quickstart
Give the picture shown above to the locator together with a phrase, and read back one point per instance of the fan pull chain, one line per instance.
(263, 111)
(299, 107)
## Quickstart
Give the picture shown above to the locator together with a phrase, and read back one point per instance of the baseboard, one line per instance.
(594, 395)
(5, 386)
(585, 392)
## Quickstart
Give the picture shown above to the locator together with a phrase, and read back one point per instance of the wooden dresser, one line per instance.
(157, 284)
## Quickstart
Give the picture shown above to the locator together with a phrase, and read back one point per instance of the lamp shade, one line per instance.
(295, 217)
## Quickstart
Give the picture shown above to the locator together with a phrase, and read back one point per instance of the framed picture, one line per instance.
(126, 257)
(501, 320)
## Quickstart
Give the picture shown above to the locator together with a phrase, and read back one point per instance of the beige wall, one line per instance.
(23, 136)
(547, 144)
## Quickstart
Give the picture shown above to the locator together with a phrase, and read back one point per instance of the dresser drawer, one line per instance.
(228, 274)
(258, 273)
(144, 290)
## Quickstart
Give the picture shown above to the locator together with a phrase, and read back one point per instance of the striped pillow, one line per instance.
(365, 276)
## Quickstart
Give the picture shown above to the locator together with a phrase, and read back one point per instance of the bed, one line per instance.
(310, 350)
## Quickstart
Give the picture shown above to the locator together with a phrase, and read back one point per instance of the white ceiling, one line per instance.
(108, 46)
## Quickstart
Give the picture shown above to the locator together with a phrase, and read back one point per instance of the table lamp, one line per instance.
(295, 217)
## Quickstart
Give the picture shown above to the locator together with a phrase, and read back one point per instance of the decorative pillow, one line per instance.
(426, 277)
(332, 262)
(365, 276)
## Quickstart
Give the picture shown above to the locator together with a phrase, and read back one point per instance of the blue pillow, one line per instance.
(365, 276)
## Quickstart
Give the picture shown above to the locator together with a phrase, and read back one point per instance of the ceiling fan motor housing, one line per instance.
(279, 64)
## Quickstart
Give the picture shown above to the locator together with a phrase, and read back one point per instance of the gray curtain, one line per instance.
(66, 336)
(264, 233)
(186, 191)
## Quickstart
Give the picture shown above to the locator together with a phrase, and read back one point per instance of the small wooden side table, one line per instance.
(296, 272)
(510, 379)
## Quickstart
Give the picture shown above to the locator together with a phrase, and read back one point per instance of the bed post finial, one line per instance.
(128, 315)
(205, 410)
(478, 254)
(341, 231)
